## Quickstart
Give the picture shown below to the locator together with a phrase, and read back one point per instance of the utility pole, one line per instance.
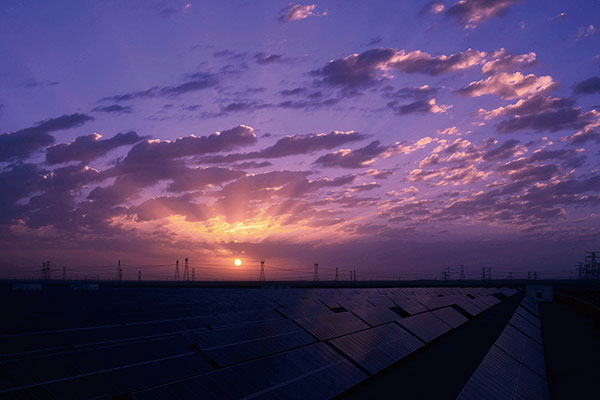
(336, 274)
(261, 277)
(193, 274)
(316, 274)
(119, 271)
(462, 272)
(139, 275)
(186, 272)
(176, 277)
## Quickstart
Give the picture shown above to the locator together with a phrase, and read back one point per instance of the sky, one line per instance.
(392, 138)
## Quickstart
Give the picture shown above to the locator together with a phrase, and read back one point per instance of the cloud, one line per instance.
(22, 143)
(503, 61)
(433, 7)
(194, 82)
(509, 86)
(166, 206)
(199, 178)
(294, 145)
(472, 13)
(586, 31)
(35, 83)
(510, 148)
(550, 120)
(415, 92)
(588, 86)
(532, 105)
(157, 150)
(372, 66)
(358, 158)
(293, 92)
(114, 108)
(421, 106)
(90, 147)
(266, 59)
(297, 12)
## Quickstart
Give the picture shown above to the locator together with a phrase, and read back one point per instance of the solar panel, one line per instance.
(501, 377)
(329, 325)
(526, 327)
(425, 326)
(522, 348)
(450, 316)
(376, 315)
(314, 371)
(378, 348)
(528, 316)
(409, 305)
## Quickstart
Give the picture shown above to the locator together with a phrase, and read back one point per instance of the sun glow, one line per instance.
(237, 262)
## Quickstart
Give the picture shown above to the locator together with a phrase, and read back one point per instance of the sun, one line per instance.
(237, 262)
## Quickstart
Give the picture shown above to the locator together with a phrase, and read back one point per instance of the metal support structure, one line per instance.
(176, 277)
(337, 276)
(261, 277)
(186, 271)
(316, 274)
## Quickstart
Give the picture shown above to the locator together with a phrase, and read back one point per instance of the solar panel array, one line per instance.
(514, 368)
(229, 343)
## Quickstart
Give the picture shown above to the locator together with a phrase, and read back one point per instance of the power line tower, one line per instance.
(462, 272)
(316, 274)
(119, 271)
(139, 275)
(593, 265)
(176, 277)
(48, 270)
(354, 275)
(64, 273)
(193, 274)
(186, 271)
(261, 277)
(337, 276)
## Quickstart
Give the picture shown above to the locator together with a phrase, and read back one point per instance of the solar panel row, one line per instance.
(263, 341)
(514, 368)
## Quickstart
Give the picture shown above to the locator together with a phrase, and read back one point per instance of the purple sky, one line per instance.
(387, 137)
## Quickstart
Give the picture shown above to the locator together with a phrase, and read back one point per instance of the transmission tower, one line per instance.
(261, 277)
(354, 275)
(64, 273)
(119, 271)
(193, 274)
(176, 277)
(462, 272)
(186, 271)
(337, 274)
(316, 274)
(139, 275)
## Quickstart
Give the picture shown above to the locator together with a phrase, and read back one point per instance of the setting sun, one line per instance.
(237, 262)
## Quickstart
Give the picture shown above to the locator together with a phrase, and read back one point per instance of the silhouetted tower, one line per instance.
(139, 275)
(186, 271)
(489, 273)
(193, 274)
(528, 275)
(48, 269)
(176, 278)
(592, 265)
(119, 271)
(337, 276)
(261, 277)
(354, 273)
(44, 271)
(535, 275)
(462, 272)
(316, 274)
(350, 275)
(64, 273)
